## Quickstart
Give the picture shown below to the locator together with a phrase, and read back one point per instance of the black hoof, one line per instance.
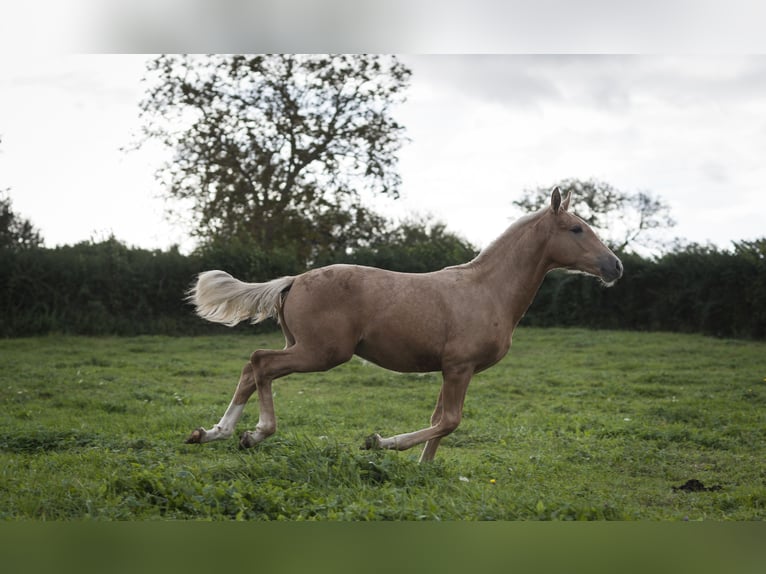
(196, 436)
(372, 442)
(245, 441)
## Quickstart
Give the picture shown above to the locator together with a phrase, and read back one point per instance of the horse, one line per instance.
(458, 320)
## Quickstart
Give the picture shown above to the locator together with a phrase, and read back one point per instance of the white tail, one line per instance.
(221, 298)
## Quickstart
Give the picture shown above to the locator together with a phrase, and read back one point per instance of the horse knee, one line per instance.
(448, 423)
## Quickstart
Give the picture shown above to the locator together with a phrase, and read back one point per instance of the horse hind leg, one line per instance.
(225, 427)
(257, 375)
(245, 388)
(267, 421)
(270, 365)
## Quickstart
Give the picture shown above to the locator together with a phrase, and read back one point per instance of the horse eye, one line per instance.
(576, 229)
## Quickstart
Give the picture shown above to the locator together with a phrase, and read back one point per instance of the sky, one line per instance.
(481, 129)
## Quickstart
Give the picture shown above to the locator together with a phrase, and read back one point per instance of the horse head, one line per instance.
(572, 244)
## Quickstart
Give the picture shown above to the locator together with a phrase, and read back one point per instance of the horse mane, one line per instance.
(508, 239)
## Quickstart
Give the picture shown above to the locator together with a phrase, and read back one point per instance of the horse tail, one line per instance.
(221, 298)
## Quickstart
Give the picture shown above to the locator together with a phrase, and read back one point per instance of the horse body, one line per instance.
(458, 320)
(404, 322)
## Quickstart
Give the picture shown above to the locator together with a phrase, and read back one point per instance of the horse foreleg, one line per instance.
(225, 427)
(452, 396)
(431, 445)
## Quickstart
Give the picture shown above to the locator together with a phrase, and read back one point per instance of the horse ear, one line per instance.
(565, 203)
(556, 199)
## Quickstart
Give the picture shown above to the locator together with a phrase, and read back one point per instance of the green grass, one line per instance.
(572, 424)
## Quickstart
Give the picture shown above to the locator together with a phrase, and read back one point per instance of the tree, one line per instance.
(15, 231)
(625, 221)
(416, 245)
(278, 150)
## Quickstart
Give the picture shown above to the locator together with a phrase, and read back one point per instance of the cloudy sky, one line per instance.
(691, 129)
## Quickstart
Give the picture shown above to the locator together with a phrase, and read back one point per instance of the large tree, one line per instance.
(625, 221)
(278, 150)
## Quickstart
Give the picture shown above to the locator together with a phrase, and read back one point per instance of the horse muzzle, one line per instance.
(610, 267)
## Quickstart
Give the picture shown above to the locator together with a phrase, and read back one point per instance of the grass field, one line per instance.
(572, 424)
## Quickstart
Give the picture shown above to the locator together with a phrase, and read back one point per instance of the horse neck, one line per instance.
(514, 265)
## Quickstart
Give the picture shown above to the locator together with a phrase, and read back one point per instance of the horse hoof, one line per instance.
(196, 436)
(371, 442)
(246, 441)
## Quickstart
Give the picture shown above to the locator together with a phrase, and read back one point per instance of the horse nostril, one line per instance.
(610, 268)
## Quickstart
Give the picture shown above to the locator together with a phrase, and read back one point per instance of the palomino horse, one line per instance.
(458, 320)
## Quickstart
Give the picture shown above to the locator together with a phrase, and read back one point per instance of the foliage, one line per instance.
(109, 288)
(15, 231)
(106, 287)
(278, 149)
(622, 219)
(605, 430)
(414, 246)
(92, 288)
(694, 290)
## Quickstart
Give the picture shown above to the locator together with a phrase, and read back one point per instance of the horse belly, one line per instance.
(396, 355)
(403, 340)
